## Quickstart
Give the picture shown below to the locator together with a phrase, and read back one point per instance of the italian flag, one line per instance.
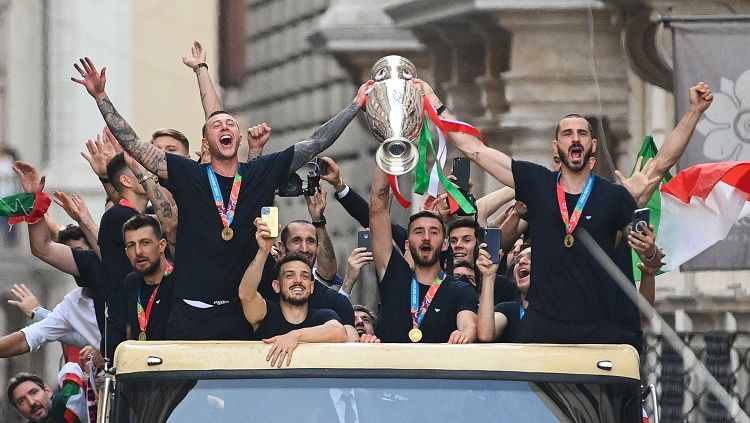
(73, 389)
(699, 206)
(696, 208)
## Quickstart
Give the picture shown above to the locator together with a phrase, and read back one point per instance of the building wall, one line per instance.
(47, 118)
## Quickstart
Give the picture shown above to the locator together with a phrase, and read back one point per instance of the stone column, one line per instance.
(551, 75)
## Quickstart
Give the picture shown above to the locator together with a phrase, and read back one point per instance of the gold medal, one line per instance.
(227, 234)
(142, 336)
(568, 241)
(415, 335)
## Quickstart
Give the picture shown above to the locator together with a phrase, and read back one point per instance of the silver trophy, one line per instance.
(395, 113)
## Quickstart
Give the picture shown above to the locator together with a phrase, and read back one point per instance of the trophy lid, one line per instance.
(393, 67)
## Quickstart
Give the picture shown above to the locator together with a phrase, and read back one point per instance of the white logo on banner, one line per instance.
(726, 124)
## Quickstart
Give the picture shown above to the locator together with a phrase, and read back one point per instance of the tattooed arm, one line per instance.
(160, 198)
(148, 155)
(324, 136)
(380, 222)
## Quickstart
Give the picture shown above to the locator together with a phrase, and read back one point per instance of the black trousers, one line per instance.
(536, 327)
(224, 322)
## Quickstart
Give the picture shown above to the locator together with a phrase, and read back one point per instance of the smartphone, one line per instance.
(641, 220)
(363, 240)
(321, 166)
(461, 170)
(492, 237)
(270, 215)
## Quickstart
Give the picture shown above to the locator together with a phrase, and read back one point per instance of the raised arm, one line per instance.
(209, 98)
(257, 137)
(166, 212)
(326, 260)
(253, 304)
(490, 203)
(381, 236)
(677, 140)
(490, 325)
(100, 152)
(494, 162)
(77, 209)
(357, 259)
(56, 255)
(324, 136)
(151, 157)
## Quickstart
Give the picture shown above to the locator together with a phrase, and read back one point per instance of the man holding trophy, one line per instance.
(424, 304)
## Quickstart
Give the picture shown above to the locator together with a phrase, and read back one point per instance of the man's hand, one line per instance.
(362, 93)
(641, 179)
(646, 248)
(701, 97)
(281, 349)
(484, 263)
(357, 259)
(257, 137)
(453, 179)
(263, 235)
(91, 78)
(316, 204)
(98, 156)
(29, 177)
(458, 337)
(90, 353)
(199, 56)
(204, 156)
(424, 87)
(112, 146)
(368, 339)
(74, 206)
(27, 302)
(333, 176)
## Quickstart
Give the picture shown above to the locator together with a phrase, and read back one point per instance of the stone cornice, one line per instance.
(409, 14)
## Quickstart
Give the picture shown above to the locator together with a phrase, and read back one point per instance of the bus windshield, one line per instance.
(329, 399)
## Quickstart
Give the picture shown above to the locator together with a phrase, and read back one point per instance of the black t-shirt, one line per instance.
(439, 321)
(207, 268)
(512, 311)
(567, 284)
(156, 328)
(91, 275)
(505, 289)
(115, 262)
(275, 324)
(322, 296)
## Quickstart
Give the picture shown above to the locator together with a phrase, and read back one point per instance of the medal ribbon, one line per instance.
(570, 224)
(144, 315)
(225, 213)
(126, 203)
(417, 314)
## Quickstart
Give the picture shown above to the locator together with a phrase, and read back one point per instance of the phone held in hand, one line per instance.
(321, 166)
(462, 172)
(492, 237)
(270, 215)
(363, 240)
(641, 220)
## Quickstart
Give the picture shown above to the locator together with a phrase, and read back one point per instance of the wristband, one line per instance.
(440, 109)
(144, 178)
(201, 65)
(319, 223)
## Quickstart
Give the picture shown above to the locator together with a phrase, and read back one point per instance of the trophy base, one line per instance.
(396, 156)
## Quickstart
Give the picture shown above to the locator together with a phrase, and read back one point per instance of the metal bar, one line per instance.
(729, 403)
(666, 20)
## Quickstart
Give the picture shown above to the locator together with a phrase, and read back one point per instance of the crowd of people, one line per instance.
(181, 252)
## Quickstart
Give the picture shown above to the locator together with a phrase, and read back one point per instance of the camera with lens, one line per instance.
(294, 186)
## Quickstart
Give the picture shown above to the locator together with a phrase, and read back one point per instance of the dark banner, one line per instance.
(718, 54)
